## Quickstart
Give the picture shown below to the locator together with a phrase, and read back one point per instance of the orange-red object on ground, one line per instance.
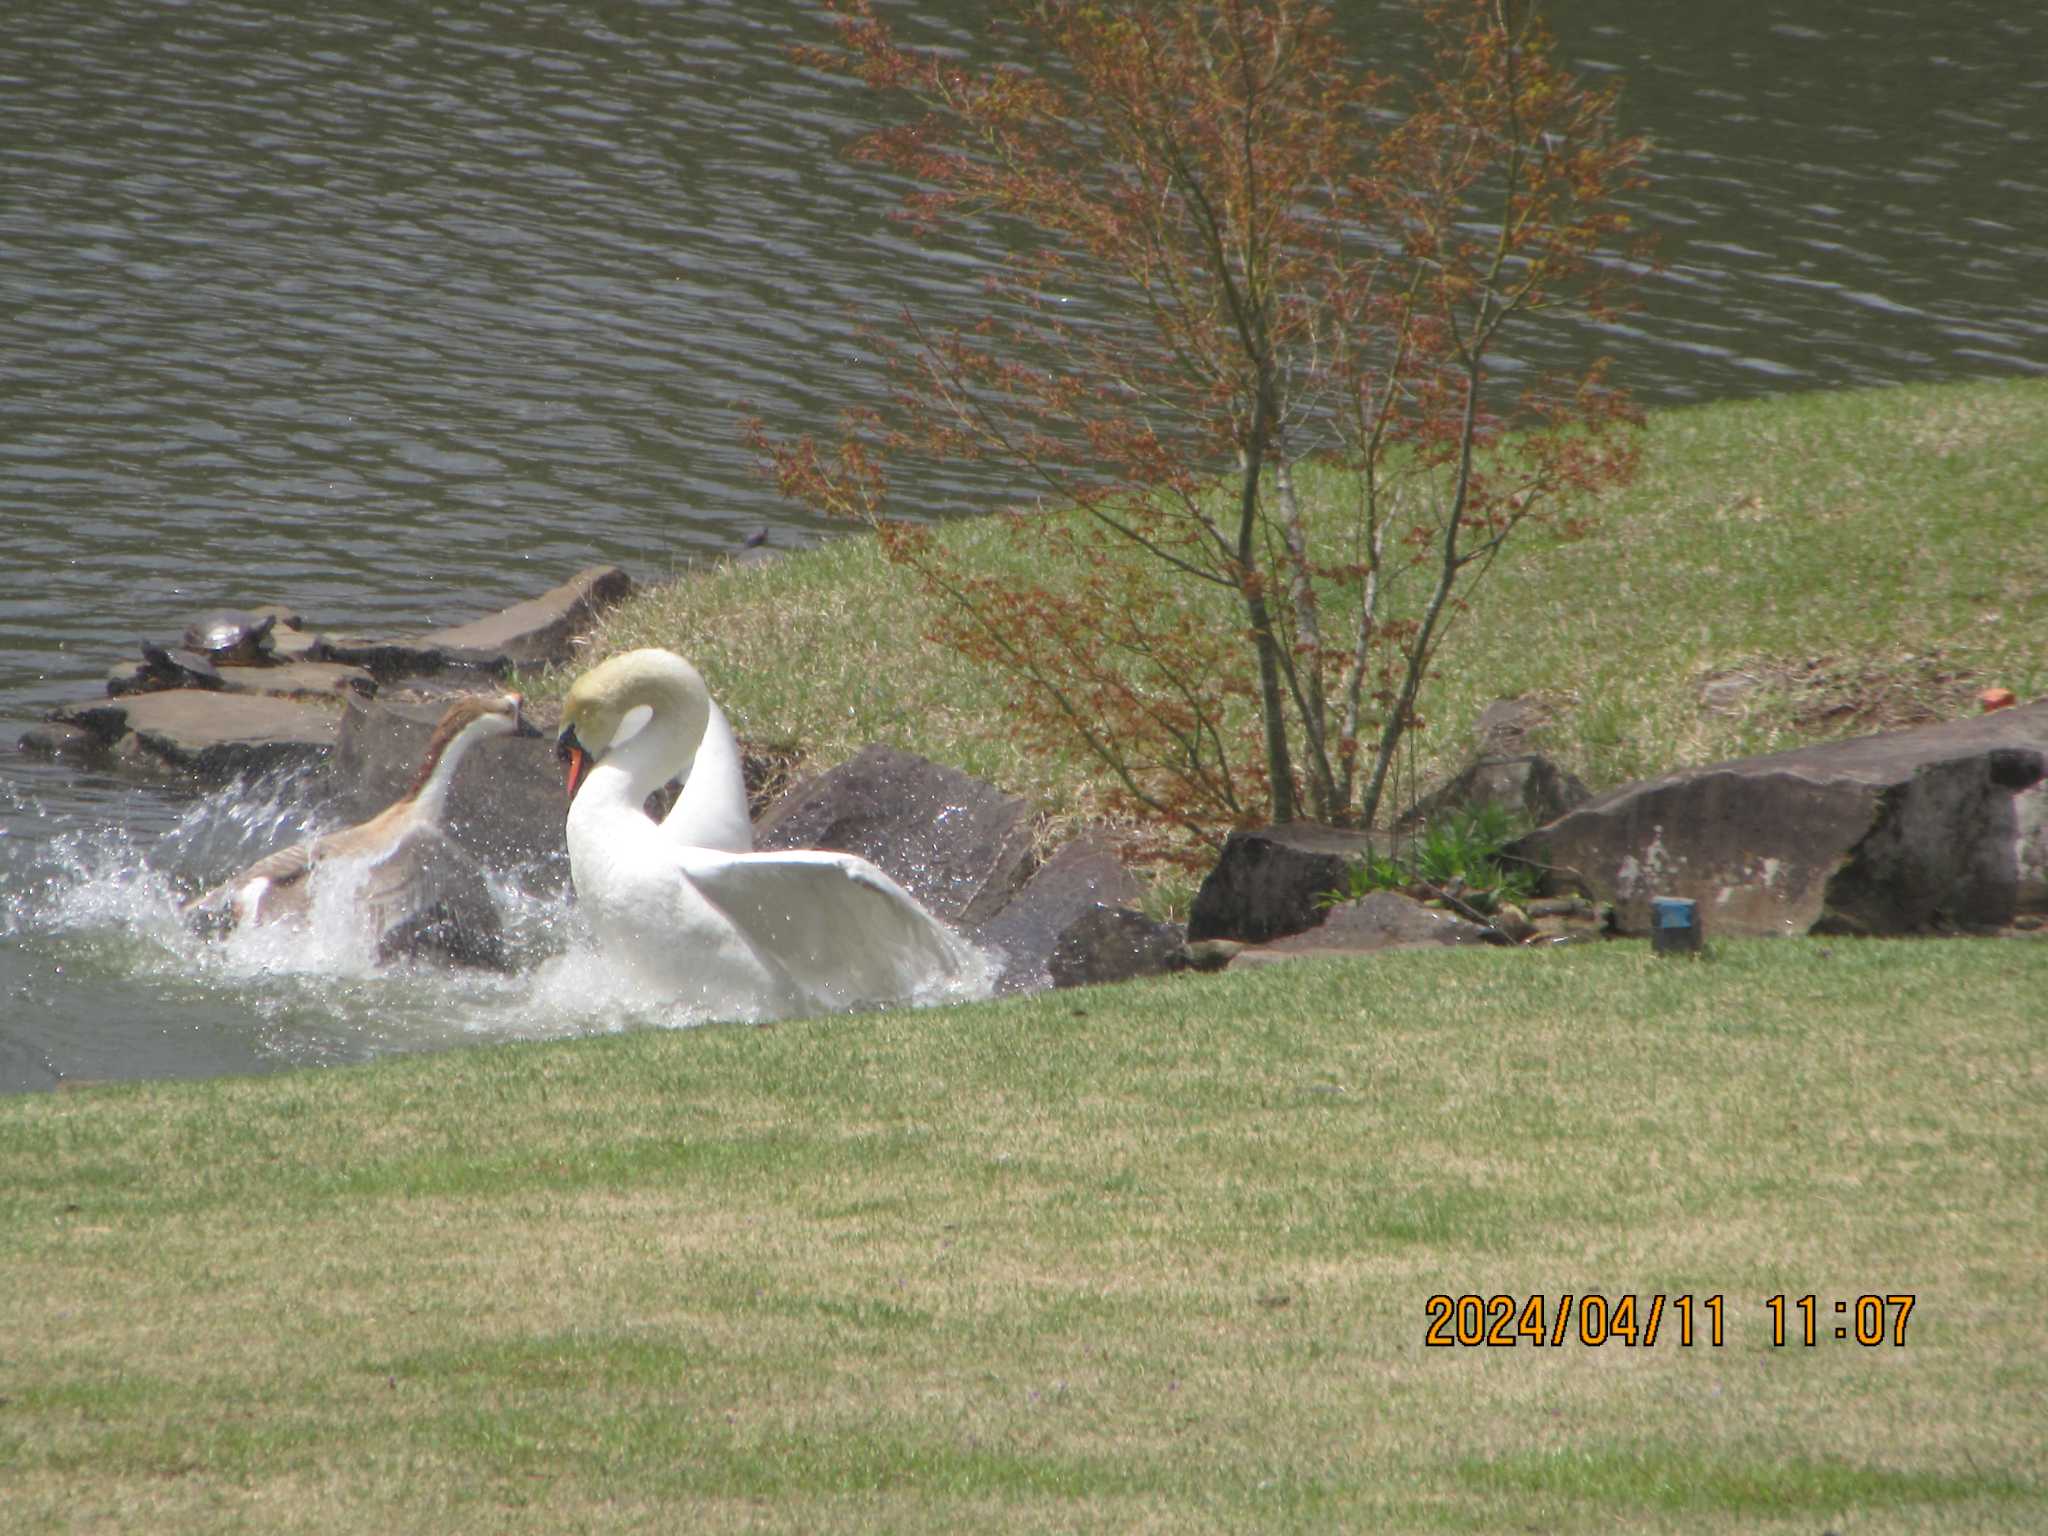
(1996, 698)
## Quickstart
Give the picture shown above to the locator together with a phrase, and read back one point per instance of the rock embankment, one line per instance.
(177, 713)
(1938, 829)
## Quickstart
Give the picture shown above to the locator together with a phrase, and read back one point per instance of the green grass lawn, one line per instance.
(1152, 1257)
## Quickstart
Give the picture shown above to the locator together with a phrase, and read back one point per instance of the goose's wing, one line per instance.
(429, 896)
(267, 890)
(836, 925)
(711, 812)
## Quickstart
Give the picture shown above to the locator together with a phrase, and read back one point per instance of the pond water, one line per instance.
(402, 317)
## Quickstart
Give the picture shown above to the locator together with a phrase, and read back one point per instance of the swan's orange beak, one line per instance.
(575, 761)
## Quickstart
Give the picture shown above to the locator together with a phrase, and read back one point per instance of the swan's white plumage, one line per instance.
(728, 932)
(711, 812)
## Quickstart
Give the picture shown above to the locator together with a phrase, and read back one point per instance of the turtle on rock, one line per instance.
(232, 637)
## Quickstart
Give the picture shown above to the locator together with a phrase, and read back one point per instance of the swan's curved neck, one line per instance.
(662, 749)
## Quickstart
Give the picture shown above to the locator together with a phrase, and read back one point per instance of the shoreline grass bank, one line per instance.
(1868, 559)
(1153, 1257)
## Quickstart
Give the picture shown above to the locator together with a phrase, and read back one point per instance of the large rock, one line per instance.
(1268, 880)
(1115, 944)
(1936, 829)
(960, 846)
(217, 736)
(285, 680)
(1082, 876)
(1529, 787)
(538, 632)
(506, 805)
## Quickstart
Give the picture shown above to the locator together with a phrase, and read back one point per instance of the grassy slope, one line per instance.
(1153, 1257)
(1873, 558)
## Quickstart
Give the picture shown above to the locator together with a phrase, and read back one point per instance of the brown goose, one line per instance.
(421, 890)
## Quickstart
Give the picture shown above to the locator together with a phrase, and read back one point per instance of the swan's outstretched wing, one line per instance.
(836, 925)
(711, 812)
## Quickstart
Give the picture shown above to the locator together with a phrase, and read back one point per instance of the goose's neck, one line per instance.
(430, 793)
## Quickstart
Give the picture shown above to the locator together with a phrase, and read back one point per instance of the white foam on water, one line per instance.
(99, 905)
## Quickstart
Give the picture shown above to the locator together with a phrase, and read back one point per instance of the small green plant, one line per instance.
(1461, 856)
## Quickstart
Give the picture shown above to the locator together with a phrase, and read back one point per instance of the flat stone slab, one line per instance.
(218, 736)
(538, 632)
(1941, 828)
(289, 680)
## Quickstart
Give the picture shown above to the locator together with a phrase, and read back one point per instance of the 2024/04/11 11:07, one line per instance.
(1546, 1319)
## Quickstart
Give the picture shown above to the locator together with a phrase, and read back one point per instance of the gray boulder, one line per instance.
(1942, 828)
(284, 680)
(1081, 877)
(1267, 881)
(962, 847)
(1529, 786)
(1115, 944)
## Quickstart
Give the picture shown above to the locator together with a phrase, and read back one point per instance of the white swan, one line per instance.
(731, 934)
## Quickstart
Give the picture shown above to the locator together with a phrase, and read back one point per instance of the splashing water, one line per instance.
(103, 976)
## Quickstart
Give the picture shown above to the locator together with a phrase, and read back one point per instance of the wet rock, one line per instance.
(1936, 829)
(1081, 876)
(506, 806)
(1107, 944)
(63, 743)
(1267, 881)
(962, 847)
(1530, 788)
(538, 632)
(160, 669)
(217, 736)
